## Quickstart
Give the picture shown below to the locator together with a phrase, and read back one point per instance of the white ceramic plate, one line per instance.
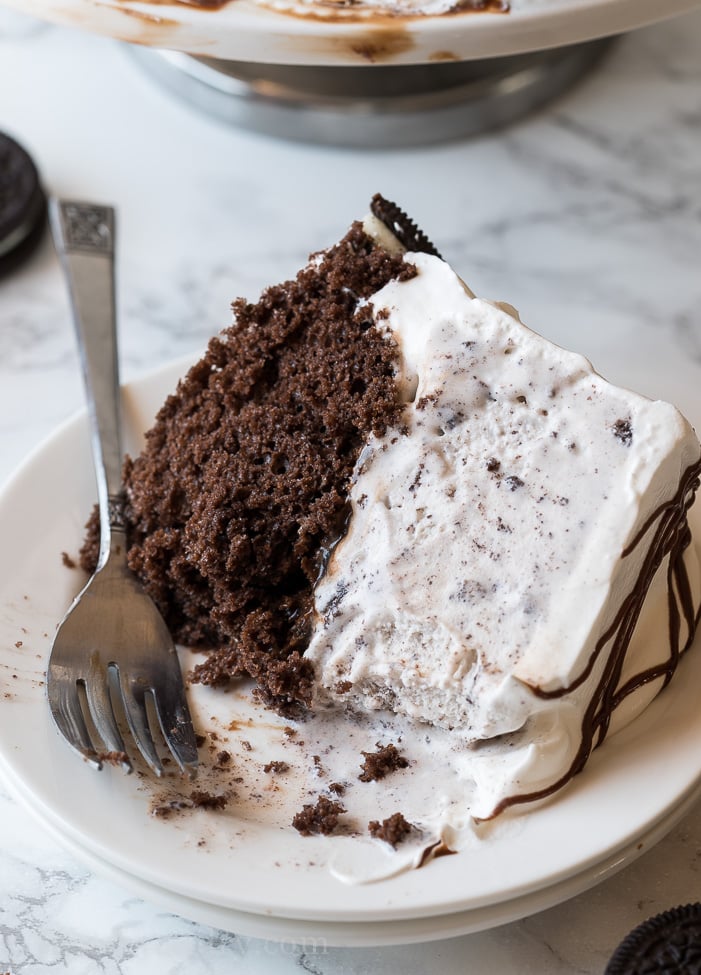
(316, 935)
(249, 31)
(247, 858)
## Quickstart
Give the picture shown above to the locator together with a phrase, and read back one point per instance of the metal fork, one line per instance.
(113, 645)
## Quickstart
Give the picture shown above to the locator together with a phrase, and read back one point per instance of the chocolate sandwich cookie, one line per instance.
(667, 944)
(402, 226)
(22, 204)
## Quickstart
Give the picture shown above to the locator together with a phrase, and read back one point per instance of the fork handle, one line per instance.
(84, 237)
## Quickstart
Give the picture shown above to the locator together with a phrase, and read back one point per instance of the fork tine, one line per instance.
(134, 702)
(176, 725)
(100, 707)
(68, 715)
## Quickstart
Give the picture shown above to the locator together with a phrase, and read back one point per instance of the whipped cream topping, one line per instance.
(487, 582)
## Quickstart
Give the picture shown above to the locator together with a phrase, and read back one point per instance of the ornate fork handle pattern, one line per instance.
(116, 504)
(87, 226)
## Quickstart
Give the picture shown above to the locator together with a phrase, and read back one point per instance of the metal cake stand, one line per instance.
(373, 106)
(322, 71)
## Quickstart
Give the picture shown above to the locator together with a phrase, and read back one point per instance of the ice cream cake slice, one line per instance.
(377, 491)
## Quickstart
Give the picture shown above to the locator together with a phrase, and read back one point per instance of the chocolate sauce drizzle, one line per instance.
(402, 226)
(672, 537)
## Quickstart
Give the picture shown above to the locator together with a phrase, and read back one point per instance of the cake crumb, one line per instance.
(380, 763)
(207, 800)
(319, 818)
(69, 562)
(113, 758)
(163, 810)
(276, 767)
(392, 830)
(199, 799)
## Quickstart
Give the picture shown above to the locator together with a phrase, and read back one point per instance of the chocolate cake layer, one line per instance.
(242, 485)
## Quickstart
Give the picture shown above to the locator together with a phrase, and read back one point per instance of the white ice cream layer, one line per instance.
(484, 552)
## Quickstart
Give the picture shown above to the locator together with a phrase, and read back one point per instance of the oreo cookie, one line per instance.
(22, 205)
(667, 944)
(402, 226)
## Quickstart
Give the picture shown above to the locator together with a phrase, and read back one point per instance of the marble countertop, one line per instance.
(586, 217)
